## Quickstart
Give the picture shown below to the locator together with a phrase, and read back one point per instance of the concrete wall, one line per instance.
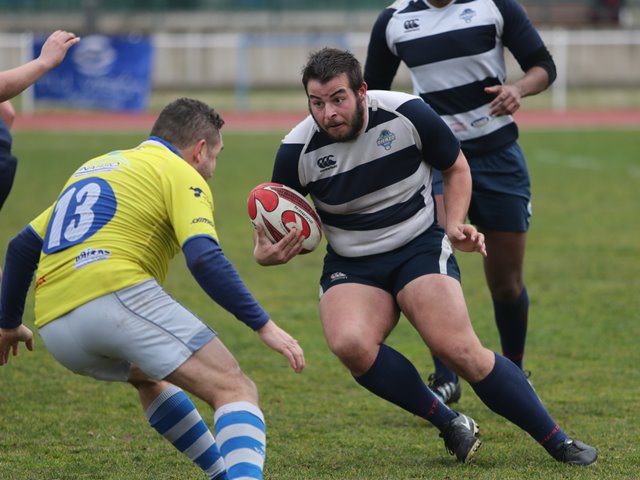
(585, 58)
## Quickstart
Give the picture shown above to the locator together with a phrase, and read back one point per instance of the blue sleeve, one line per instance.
(221, 281)
(523, 40)
(381, 64)
(285, 168)
(440, 147)
(23, 255)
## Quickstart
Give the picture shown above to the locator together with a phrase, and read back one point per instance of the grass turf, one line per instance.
(582, 275)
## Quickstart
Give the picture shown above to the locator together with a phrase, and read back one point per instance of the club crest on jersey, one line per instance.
(385, 139)
(467, 15)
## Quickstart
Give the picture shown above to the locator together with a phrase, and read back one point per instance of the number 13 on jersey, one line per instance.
(81, 210)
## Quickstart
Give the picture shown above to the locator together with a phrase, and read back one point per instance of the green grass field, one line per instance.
(582, 270)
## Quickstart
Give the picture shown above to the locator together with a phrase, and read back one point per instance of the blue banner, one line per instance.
(103, 72)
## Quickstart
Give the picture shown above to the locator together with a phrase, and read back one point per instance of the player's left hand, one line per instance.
(10, 339)
(466, 238)
(507, 100)
(276, 338)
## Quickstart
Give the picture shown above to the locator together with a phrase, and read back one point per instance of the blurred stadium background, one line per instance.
(248, 53)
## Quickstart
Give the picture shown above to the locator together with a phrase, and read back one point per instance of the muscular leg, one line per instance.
(435, 306)
(503, 268)
(356, 320)
(213, 375)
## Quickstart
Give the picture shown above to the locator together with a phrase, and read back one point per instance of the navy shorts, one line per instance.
(501, 196)
(430, 252)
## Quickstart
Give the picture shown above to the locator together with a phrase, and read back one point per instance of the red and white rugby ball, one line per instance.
(278, 209)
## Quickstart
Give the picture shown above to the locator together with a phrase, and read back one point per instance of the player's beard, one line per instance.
(357, 122)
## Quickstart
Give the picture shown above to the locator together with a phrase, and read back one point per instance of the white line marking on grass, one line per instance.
(577, 162)
(580, 162)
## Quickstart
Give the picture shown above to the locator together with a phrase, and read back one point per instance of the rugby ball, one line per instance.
(278, 209)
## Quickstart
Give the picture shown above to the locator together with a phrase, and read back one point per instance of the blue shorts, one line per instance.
(501, 196)
(430, 252)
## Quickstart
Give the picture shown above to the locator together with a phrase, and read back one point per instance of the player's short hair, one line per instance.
(327, 63)
(185, 121)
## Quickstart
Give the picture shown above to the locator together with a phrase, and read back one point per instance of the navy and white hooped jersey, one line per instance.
(373, 194)
(453, 53)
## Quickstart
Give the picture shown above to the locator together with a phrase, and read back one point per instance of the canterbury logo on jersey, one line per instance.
(411, 24)
(326, 162)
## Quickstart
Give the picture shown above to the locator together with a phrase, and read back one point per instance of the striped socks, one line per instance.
(240, 432)
(175, 417)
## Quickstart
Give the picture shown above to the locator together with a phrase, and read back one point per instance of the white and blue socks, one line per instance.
(241, 434)
(176, 418)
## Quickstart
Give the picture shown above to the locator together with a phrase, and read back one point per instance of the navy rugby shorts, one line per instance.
(501, 196)
(428, 253)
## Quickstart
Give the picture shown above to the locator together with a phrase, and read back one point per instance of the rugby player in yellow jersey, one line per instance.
(101, 251)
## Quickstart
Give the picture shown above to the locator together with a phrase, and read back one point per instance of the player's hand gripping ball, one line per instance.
(278, 209)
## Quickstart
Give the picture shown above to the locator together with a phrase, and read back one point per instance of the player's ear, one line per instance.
(198, 150)
(362, 91)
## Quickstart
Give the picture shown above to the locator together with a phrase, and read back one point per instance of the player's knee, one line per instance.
(507, 291)
(470, 361)
(354, 353)
(237, 387)
(250, 388)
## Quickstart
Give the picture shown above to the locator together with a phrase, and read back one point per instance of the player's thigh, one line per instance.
(356, 319)
(213, 374)
(435, 306)
(504, 263)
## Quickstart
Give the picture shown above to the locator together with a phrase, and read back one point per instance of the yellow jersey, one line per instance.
(119, 220)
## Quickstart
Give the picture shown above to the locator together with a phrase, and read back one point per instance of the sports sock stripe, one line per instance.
(176, 418)
(241, 434)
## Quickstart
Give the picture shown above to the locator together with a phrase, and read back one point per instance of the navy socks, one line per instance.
(511, 320)
(507, 392)
(394, 378)
(443, 372)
